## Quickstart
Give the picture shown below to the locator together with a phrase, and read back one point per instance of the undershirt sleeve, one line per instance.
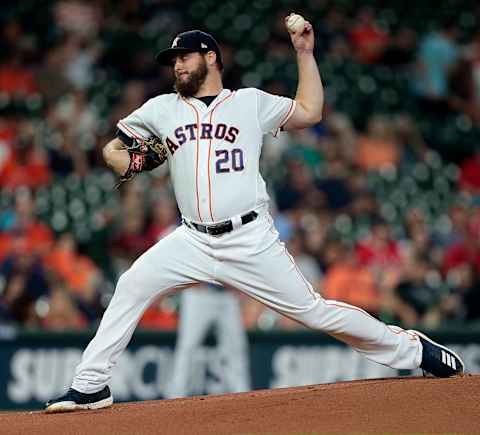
(127, 140)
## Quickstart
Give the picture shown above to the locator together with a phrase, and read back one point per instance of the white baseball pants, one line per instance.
(252, 259)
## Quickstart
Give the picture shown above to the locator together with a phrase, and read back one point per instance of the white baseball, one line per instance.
(295, 23)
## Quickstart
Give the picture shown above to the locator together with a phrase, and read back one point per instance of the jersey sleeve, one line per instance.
(137, 125)
(273, 111)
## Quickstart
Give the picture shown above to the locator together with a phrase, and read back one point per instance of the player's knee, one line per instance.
(129, 285)
(308, 319)
(316, 317)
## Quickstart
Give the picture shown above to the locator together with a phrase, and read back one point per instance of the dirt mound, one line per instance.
(386, 406)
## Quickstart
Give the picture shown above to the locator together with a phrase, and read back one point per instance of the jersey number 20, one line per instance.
(227, 160)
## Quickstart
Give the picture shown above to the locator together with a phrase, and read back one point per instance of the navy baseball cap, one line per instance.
(188, 42)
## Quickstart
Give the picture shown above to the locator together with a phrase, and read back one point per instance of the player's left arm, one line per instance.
(309, 97)
(116, 156)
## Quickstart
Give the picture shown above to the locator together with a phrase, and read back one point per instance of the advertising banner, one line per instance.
(35, 367)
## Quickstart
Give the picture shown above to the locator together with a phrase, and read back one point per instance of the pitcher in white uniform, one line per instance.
(214, 138)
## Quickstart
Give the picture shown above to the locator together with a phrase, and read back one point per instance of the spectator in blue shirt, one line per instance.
(436, 56)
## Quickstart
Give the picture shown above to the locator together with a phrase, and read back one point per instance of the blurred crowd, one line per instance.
(372, 209)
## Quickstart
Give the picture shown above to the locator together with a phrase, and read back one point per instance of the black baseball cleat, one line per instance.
(74, 400)
(438, 360)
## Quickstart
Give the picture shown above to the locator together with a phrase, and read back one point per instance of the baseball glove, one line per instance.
(145, 155)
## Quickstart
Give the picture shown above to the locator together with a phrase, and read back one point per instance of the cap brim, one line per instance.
(165, 57)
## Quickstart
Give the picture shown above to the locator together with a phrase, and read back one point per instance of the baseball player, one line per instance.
(201, 308)
(213, 138)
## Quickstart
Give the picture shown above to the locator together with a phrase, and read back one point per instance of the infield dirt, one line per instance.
(378, 406)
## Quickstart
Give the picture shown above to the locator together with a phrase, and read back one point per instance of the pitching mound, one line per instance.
(379, 406)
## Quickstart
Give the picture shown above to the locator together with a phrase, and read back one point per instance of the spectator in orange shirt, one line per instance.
(349, 281)
(62, 312)
(78, 271)
(379, 147)
(161, 314)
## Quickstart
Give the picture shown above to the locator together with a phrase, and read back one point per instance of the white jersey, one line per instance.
(214, 151)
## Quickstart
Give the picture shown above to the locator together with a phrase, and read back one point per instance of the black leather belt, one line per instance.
(222, 227)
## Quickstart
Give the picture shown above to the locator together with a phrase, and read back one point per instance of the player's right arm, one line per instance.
(309, 98)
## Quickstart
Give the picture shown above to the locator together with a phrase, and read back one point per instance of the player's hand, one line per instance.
(302, 41)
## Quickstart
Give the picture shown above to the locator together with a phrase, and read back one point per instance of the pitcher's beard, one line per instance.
(188, 88)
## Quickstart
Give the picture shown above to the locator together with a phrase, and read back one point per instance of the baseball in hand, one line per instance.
(295, 23)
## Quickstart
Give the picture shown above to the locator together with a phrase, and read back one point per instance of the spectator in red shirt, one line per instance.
(27, 163)
(164, 219)
(24, 223)
(131, 239)
(368, 40)
(16, 80)
(464, 252)
(382, 254)
(470, 175)
(379, 249)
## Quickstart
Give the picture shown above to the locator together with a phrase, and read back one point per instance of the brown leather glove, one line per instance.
(145, 155)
